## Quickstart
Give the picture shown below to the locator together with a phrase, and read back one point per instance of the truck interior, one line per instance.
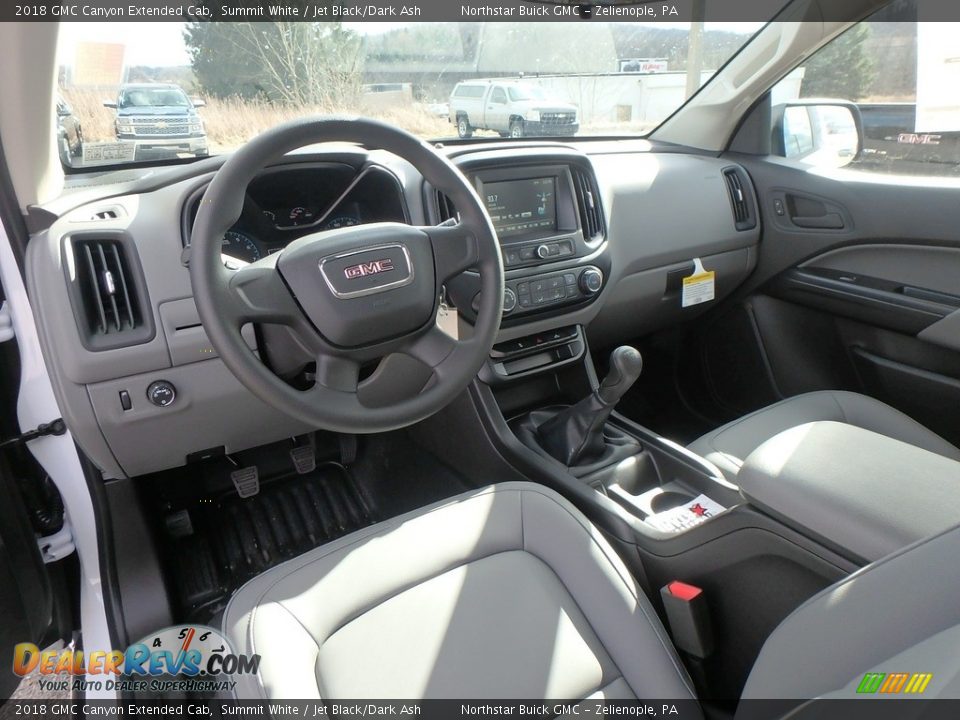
(490, 417)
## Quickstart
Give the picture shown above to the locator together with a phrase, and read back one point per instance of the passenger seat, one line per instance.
(728, 446)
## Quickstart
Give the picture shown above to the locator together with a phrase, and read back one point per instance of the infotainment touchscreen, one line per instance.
(522, 207)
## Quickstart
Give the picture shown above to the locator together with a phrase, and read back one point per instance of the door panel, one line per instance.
(872, 307)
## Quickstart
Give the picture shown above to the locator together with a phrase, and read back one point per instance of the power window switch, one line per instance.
(125, 402)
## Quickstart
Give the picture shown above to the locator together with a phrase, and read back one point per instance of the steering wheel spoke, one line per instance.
(431, 348)
(454, 249)
(259, 294)
(338, 373)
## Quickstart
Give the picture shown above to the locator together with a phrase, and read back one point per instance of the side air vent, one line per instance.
(588, 198)
(107, 292)
(446, 209)
(741, 199)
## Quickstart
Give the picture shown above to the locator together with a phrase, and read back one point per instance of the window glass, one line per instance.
(902, 76)
(164, 91)
(797, 133)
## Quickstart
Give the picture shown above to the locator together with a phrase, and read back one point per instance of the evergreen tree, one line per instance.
(842, 69)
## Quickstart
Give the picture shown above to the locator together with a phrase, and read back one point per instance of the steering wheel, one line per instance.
(352, 295)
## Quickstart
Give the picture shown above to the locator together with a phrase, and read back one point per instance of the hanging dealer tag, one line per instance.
(448, 320)
(699, 287)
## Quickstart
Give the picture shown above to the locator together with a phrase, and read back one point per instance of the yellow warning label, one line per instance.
(699, 288)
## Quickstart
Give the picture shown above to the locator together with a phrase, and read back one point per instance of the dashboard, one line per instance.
(596, 237)
(283, 204)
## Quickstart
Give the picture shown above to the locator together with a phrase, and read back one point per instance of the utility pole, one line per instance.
(695, 47)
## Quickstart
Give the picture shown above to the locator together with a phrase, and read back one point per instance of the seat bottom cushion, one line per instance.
(457, 635)
(728, 446)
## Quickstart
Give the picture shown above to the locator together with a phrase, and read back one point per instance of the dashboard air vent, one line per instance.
(740, 198)
(106, 288)
(588, 198)
(446, 209)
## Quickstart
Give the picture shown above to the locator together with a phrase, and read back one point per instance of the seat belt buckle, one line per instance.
(688, 618)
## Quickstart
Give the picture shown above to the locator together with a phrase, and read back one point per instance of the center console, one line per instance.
(664, 486)
(547, 213)
(550, 225)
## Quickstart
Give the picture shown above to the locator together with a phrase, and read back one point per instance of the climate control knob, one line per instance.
(509, 301)
(543, 251)
(591, 280)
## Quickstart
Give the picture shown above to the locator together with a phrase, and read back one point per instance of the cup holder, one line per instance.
(668, 500)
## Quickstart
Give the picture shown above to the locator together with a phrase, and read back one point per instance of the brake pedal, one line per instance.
(304, 458)
(246, 480)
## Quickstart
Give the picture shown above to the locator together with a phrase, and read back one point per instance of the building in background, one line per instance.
(98, 64)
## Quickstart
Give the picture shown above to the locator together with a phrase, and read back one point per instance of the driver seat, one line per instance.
(506, 592)
(509, 592)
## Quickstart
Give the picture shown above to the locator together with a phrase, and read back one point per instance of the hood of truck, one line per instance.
(546, 106)
(154, 110)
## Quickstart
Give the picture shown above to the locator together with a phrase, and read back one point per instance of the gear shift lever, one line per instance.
(626, 364)
(576, 434)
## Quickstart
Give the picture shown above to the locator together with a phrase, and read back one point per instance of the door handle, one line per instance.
(829, 221)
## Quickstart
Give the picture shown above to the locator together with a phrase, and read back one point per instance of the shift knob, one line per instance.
(626, 364)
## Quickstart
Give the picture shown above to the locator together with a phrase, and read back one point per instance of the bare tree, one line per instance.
(297, 63)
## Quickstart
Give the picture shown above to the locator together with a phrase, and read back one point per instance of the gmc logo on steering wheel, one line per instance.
(368, 268)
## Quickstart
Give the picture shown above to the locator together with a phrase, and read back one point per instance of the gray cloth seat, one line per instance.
(505, 592)
(728, 446)
(510, 592)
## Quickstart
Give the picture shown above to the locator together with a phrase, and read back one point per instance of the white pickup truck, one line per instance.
(512, 108)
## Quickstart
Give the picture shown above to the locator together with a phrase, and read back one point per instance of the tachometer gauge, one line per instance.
(299, 215)
(240, 246)
(340, 222)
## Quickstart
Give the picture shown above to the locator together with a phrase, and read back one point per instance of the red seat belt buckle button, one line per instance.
(688, 618)
(683, 590)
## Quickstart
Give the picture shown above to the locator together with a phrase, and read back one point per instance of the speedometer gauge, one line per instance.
(340, 222)
(240, 246)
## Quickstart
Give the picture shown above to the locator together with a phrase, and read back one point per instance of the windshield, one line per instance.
(134, 86)
(529, 92)
(152, 97)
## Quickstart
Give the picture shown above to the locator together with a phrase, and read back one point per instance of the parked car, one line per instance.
(510, 107)
(160, 119)
(69, 133)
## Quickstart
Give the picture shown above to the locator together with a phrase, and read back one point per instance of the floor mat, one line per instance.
(220, 543)
(214, 541)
